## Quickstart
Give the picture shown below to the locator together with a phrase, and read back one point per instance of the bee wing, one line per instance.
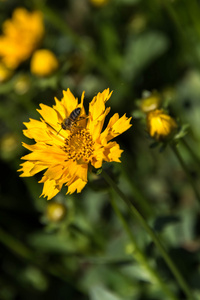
(81, 121)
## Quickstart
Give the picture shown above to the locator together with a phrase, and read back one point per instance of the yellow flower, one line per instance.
(43, 63)
(22, 84)
(56, 211)
(21, 36)
(99, 2)
(150, 102)
(66, 151)
(9, 145)
(160, 125)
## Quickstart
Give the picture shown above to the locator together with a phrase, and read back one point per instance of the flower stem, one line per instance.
(140, 256)
(191, 151)
(135, 213)
(137, 194)
(175, 17)
(14, 245)
(183, 165)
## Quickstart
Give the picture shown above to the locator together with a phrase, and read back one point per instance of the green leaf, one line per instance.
(141, 50)
(55, 243)
(100, 292)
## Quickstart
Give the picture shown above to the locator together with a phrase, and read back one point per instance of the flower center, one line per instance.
(79, 146)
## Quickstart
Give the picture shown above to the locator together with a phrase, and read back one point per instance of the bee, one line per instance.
(70, 122)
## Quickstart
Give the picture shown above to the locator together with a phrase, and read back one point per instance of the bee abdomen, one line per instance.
(75, 113)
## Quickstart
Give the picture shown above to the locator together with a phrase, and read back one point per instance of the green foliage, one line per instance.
(140, 52)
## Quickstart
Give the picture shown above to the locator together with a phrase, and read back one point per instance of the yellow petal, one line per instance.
(77, 185)
(97, 105)
(37, 168)
(75, 170)
(48, 114)
(30, 168)
(95, 127)
(54, 172)
(112, 152)
(82, 171)
(48, 156)
(98, 156)
(116, 127)
(50, 189)
(37, 134)
(34, 123)
(60, 109)
(34, 147)
(69, 101)
(26, 169)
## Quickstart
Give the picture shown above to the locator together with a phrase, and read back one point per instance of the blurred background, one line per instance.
(74, 247)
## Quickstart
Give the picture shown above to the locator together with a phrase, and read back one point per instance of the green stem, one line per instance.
(140, 256)
(183, 165)
(188, 46)
(193, 9)
(14, 245)
(191, 151)
(138, 196)
(163, 252)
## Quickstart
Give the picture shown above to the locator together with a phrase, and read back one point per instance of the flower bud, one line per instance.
(150, 102)
(160, 125)
(8, 146)
(56, 211)
(22, 84)
(43, 63)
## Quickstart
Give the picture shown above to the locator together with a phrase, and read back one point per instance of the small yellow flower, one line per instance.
(99, 3)
(21, 36)
(151, 102)
(160, 125)
(43, 63)
(22, 84)
(66, 152)
(56, 211)
(9, 145)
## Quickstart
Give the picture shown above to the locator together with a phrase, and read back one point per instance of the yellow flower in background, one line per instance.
(9, 145)
(21, 36)
(151, 102)
(160, 125)
(22, 84)
(99, 2)
(43, 63)
(68, 140)
(56, 211)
